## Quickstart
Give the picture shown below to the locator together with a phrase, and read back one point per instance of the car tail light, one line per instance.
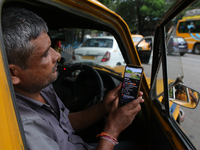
(106, 57)
(58, 43)
(175, 43)
(73, 56)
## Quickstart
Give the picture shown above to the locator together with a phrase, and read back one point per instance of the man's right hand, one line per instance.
(121, 117)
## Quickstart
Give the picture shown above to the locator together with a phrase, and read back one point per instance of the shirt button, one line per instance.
(70, 139)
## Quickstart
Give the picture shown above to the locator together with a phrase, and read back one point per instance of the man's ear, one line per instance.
(14, 71)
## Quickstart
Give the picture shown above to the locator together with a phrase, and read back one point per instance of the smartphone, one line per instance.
(131, 83)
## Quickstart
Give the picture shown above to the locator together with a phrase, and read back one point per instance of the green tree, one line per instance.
(111, 4)
(141, 15)
(151, 12)
(128, 11)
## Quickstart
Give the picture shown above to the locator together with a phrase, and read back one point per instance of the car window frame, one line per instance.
(11, 91)
(160, 54)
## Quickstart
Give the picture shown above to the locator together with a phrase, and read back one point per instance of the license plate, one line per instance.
(181, 46)
(88, 57)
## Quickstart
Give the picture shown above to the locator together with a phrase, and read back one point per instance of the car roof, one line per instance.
(103, 37)
(136, 35)
(151, 36)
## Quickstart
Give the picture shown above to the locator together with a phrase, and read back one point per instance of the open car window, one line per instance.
(96, 47)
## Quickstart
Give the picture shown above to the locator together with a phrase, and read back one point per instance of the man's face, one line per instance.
(42, 66)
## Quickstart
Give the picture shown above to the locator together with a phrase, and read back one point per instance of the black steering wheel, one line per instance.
(87, 88)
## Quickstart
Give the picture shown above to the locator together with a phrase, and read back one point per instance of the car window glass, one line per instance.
(88, 46)
(136, 39)
(188, 27)
(98, 43)
(184, 64)
(174, 64)
(192, 25)
(175, 48)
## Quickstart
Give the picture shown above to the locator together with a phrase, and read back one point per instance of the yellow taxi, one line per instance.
(136, 38)
(145, 49)
(155, 126)
(143, 44)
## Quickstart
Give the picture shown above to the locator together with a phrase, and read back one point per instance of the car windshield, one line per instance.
(136, 39)
(107, 43)
(94, 47)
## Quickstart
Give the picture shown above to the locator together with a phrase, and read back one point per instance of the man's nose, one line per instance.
(56, 55)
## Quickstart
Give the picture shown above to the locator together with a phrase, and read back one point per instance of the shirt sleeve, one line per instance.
(39, 135)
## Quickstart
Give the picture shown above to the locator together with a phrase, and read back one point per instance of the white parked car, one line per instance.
(102, 50)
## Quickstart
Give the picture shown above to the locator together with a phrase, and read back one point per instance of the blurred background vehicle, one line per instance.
(144, 48)
(136, 38)
(177, 44)
(144, 43)
(189, 27)
(103, 50)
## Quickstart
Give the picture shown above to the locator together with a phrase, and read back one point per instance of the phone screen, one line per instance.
(131, 84)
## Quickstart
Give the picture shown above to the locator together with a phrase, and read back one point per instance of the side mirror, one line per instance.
(184, 96)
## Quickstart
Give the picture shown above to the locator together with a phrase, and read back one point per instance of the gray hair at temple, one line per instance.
(19, 27)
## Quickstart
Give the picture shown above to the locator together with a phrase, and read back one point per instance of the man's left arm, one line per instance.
(83, 119)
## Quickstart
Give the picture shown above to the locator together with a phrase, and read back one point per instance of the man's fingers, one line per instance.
(134, 103)
(140, 93)
(115, 104)
(116, 89)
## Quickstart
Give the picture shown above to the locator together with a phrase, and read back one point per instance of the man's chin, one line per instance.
(54, 77)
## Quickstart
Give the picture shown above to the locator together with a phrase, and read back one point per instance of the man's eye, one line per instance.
(46, 54)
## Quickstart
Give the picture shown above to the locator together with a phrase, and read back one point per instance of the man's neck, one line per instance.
(36, 96)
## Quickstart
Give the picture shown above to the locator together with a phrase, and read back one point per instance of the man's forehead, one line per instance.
(41, 43)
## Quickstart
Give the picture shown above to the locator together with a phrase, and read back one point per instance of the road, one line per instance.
(191, 72)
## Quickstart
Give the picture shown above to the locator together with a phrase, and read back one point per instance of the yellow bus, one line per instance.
(189, 29)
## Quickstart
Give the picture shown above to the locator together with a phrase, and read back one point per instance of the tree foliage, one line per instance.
(128, 11)
(111, 4)
(153, 8)
(142, 16)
